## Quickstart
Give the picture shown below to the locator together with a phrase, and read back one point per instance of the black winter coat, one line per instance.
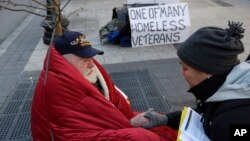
(218, 117)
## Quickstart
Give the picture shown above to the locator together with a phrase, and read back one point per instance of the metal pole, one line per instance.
(48, 10)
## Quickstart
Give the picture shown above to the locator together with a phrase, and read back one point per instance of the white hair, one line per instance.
(75, 61)
(70, 57)
(96, 74)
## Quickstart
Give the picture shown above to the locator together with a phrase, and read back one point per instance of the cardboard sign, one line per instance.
(161, 24)
(152, 1)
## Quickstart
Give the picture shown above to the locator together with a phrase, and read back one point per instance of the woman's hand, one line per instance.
(149, 119)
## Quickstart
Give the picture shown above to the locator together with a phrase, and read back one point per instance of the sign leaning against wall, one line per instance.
(160, 24)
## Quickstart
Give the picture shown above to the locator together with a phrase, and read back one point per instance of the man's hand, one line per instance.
(149, 119)
(155, 119)
(139, 120)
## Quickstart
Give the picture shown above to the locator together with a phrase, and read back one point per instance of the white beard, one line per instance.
(90, 74)
(92, 78)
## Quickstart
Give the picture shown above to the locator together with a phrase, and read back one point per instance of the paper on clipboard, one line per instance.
(191, 127)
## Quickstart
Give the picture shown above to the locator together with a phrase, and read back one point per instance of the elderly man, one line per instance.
(75, 99)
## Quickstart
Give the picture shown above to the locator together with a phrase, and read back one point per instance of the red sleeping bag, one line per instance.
(66, 107)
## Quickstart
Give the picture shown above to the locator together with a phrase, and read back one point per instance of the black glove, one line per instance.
(155, 119)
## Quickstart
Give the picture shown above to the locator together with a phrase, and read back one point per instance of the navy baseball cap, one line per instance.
(75, 43)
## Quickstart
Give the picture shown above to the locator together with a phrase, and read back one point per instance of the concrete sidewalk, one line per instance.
(96, 14)
(24, 50)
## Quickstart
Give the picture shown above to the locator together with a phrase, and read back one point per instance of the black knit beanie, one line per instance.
(213, 50)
